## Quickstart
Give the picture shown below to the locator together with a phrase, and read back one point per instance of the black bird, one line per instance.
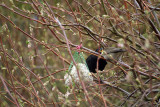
(91, 61)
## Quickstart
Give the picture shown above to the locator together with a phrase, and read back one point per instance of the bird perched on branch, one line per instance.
(91, 61)
(108, 54)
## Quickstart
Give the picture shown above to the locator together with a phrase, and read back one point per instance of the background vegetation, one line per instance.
(39, 37)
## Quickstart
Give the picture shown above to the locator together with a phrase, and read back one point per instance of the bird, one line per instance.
(108, 54)
(92, 62)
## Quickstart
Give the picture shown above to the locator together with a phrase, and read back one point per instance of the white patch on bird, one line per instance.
(85, 75)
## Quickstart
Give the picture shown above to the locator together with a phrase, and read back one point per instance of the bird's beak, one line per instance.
(102, 51)
(104, 54)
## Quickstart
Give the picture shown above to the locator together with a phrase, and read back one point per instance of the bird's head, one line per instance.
(100, 50)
